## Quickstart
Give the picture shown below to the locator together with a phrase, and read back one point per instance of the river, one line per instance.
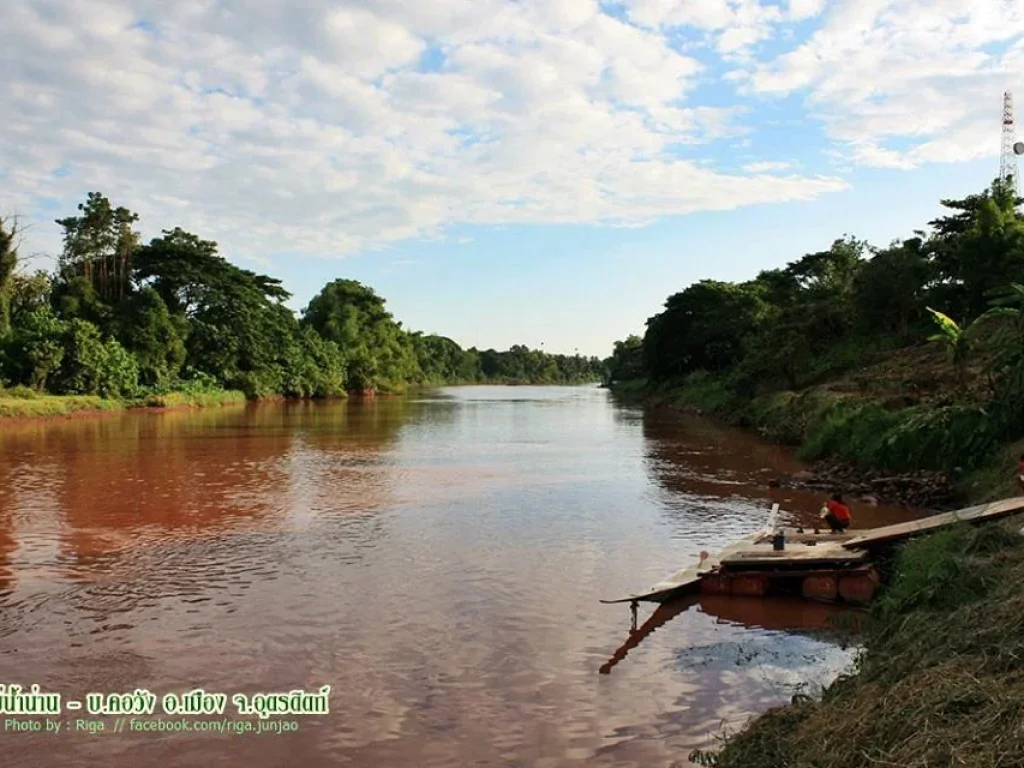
(436, 559)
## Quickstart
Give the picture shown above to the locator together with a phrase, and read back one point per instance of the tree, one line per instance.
(977, 251)
(8, 263)
(36, 349)
(98, 246)
(888, 292)
(377, 351)
(236, 328)
(957, 340)
(626, 362)
(75, 298)
(92, 366)
(147, 329)
(701, 328)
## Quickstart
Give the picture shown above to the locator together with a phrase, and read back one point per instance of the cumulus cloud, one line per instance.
(333, 126)
(902, 84)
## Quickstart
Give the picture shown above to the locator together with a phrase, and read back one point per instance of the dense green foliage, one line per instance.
(122, 319)
(829, 313)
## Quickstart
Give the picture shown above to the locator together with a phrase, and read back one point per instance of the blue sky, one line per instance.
(582, 287)
(468, 158)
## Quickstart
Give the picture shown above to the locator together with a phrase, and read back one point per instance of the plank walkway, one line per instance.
(978, 514)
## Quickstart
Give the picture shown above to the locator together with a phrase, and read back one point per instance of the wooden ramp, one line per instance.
(687, 580)
(979, 514)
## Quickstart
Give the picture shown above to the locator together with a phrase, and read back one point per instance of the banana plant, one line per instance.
(957, 341)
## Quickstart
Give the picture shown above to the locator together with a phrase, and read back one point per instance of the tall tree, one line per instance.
(977, 251)
(378, 352)
(98, 246)
(8, 263)
(889, 290)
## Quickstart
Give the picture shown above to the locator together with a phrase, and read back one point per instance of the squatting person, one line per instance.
(836, 513)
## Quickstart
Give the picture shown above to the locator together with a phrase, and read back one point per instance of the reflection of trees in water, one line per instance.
(134, 480)
(712, 475)
(148, 477)
(689, 452)
(358, 424)
(8, 545)
(199, 508)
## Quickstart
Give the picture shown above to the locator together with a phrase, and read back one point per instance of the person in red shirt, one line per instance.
(1020, 470)
(837, 514)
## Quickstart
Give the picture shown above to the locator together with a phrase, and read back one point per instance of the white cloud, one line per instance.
(901, 84)
(766, 166)
(277, 127)
(735, 25)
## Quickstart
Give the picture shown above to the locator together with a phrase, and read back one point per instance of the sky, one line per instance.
(539, 172)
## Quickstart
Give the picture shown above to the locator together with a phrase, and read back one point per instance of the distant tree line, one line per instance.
(118, 317)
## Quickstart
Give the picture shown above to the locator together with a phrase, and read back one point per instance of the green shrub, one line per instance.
(94, 367)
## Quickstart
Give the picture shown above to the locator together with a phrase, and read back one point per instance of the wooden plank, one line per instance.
(980, 513)
(822, 537)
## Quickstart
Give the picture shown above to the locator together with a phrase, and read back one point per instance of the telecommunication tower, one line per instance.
(1010, 147)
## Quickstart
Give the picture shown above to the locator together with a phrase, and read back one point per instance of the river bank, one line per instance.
(860, 433)
(24, 405)
(939, 679)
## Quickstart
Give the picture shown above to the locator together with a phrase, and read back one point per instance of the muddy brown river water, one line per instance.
(436, 559)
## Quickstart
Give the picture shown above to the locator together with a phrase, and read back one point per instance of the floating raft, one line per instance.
(821, 565)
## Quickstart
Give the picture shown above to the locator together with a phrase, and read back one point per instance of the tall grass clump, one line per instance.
(853, 430)
(953, 438)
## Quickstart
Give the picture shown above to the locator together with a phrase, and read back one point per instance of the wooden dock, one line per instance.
(821, 565)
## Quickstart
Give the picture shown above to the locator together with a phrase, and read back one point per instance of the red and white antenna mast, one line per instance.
(1010, 146)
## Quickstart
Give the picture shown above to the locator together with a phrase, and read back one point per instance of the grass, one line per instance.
(940, 679)
(194, 399)
(23, 402)
(20, 406)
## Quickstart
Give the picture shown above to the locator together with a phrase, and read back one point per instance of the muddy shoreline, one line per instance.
(923, 490)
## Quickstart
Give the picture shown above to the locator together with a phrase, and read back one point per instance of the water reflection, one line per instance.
(717, 478)
(436, 559)
(776, 614)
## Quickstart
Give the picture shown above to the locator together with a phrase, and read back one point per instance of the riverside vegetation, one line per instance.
(173, 323)
(907, 359)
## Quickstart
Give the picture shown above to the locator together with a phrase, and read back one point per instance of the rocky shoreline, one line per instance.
(929, 491)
